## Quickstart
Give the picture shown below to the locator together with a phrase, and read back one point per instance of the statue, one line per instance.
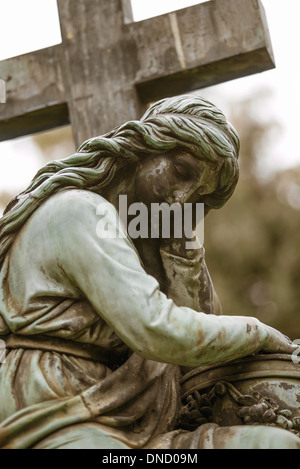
(99, 329)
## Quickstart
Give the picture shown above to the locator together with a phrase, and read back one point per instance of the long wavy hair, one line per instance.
(180, 123)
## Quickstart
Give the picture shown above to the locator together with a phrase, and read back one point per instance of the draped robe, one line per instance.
(95, 350)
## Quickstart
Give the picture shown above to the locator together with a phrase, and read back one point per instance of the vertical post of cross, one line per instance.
(2, 92)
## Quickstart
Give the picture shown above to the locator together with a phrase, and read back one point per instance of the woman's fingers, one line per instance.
(276, 342)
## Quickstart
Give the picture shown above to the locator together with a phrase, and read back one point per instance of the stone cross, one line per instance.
(108, 67)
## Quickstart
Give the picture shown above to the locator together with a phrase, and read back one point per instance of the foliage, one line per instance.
(252, 244)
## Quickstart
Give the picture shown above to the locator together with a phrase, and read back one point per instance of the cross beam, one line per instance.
(108, 67)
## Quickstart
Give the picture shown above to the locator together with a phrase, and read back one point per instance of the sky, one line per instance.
(20, 32)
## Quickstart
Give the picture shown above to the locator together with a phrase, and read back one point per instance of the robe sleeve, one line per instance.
(95, 254)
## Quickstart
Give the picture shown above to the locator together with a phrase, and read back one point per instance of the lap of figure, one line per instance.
(95, 436)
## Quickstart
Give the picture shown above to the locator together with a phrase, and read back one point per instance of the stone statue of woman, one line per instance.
(98, 328)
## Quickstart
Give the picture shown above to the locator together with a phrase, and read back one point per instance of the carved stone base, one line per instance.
(257, 390)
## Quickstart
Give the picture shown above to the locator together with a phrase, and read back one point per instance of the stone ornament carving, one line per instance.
(100, 328)
(261, 390)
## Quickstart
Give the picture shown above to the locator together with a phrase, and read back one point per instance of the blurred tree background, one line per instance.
(51, 145)
(252, 244)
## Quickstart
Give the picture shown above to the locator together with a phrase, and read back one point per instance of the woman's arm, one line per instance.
(108, 272)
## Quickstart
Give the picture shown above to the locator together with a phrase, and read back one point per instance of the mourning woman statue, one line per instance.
(98, 328)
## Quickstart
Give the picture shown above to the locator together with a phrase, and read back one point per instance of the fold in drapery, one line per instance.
(126, 400)
(62, 280)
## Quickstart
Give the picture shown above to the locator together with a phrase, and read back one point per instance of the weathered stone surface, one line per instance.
(35, 94)
(99, 325)
(107, 66)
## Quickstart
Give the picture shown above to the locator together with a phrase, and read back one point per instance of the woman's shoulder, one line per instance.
(74, 203)
(77, 196)
(70, 210)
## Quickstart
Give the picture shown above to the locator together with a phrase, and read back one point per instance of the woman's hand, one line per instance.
(276, 342)
(182, 247)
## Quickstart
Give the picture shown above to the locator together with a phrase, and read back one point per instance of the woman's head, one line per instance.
(198, 128)
(180, 124)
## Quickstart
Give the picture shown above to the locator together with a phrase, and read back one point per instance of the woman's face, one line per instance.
(175, 177)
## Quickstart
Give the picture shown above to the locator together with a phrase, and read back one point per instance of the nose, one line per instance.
(179, 197)
(184, 195)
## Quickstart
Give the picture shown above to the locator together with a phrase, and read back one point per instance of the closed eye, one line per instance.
(182, 170)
